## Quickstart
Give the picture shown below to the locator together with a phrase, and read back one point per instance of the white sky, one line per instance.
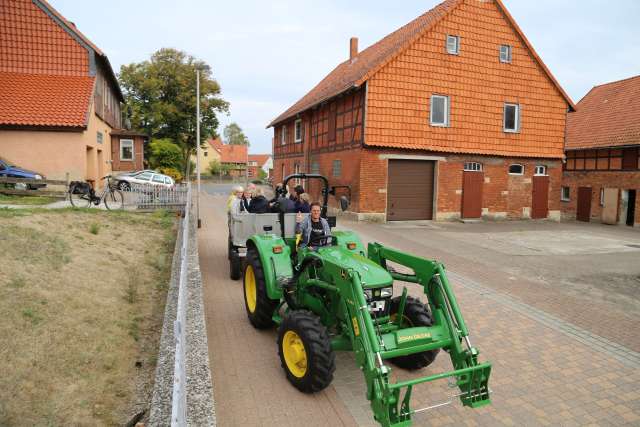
(268, 54)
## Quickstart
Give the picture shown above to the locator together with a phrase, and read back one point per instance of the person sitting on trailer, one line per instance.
(313, 225)
(281, 203)
(236, 194)
(304, 203)
(258, 203)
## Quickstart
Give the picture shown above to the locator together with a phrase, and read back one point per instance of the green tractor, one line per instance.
(340, 297)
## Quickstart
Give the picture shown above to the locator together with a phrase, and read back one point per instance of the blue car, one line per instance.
(11, 171)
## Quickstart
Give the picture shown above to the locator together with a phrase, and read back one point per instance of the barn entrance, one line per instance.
(472, 183)
(540, 197)
(583, 212)
(410, 190)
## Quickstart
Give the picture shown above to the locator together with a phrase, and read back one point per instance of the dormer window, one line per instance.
(505, 53)
(283, 135)
(453, 45)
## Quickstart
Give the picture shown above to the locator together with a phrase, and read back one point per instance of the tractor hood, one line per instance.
(371, 274)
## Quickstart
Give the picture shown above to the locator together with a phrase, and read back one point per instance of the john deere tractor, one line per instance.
(340, 297)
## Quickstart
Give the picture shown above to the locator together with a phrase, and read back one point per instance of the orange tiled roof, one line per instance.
(233, 153)
(215, 143)
(44, 100)
(261, 159)
(607, 116)
(353, 73)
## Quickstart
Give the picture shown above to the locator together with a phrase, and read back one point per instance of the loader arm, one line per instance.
(449, 332)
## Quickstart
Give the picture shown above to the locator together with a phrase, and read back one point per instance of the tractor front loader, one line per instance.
(339, 297)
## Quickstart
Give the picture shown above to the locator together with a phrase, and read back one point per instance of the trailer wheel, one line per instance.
(235, 263)
(259, 306)
(305, 351)
(415, 314)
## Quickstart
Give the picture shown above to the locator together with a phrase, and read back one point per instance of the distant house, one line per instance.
(258, 162)
(59, 97)
(454, 115)
(601, 179)
(234, 157)
(209, 152)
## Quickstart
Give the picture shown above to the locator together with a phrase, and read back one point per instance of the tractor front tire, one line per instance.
(259, 306)
(305, 351)
(415, 314)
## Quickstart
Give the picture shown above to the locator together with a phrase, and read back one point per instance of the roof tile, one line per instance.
(607, 116)
(44, 100)
(233, 153)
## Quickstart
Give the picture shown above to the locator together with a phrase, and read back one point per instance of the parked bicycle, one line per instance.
(82, 195)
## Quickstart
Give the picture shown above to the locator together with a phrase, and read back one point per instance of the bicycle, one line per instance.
(82, 195)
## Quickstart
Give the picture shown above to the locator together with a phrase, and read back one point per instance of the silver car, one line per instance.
(146, 177)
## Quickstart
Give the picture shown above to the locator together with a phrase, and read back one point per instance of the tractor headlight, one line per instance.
(36, 176)
(379, 293)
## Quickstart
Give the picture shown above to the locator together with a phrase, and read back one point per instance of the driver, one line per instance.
(313, 225)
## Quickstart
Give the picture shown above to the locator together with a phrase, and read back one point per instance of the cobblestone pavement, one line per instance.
(550, 367)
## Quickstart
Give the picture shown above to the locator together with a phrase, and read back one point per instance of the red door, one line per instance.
(540, 197)
(472, 182)
(583, 213)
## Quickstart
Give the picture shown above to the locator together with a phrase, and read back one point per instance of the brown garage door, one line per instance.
(410, 190)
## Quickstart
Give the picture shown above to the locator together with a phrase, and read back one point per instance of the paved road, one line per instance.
(553, 364)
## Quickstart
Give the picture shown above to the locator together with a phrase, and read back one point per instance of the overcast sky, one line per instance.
(268, 54)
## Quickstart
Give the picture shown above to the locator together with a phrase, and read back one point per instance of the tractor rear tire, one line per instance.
(235, 265)
(259, 306)
(305, 351)
(415, 314)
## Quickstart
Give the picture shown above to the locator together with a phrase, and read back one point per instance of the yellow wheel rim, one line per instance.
(295, 355)
(250, 288)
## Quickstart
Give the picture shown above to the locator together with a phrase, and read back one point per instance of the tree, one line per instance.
(233, 135)
(214, 167)
(262, 175)
(160, 96)
(165, 154)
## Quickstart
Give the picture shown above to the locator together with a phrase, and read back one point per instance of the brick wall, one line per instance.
(477, 84)
(624, 180)
(504, 195)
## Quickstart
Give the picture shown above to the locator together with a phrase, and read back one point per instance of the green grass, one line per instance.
(94, 228)
(26, 200)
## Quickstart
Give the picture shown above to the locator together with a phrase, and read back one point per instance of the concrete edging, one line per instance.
(199, 386)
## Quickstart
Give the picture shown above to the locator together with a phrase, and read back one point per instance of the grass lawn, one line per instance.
(82, 300)
(26, 200)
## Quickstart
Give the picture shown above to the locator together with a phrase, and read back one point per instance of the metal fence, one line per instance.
(152, 197)
(179, 398)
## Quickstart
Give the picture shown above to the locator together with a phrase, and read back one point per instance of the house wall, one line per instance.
(138, 154)
(478, 85)
(623, 180)
(211, 155)
(503, 195)
(56, 153)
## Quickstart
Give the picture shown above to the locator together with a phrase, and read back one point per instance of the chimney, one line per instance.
(353, 48)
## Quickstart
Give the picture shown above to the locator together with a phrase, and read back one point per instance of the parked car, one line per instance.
(147, 177)
(12, 171)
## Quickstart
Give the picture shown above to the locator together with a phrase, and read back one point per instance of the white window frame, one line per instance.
(333, 168)
(446, 110)
(472, 167)
(456, 41)
(283, 135)
(543, 172)
(562, 196)
(99, 137)
(297, 130)
(516, 120)
(507, 50)
(515, 173)
(133, 151)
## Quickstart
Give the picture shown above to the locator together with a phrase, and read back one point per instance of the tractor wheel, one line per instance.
(305, 351)
(259, 306)
(415, 314)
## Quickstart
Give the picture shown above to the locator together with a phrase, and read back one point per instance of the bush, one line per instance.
(165, 154)
(172, 172)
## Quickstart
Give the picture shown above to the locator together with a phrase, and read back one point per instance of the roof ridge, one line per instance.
(617, 81)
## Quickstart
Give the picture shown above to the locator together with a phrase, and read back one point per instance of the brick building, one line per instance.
(259, 162)
(601, 178)
(453, 115)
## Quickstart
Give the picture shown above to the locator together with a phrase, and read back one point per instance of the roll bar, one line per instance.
(325, 188)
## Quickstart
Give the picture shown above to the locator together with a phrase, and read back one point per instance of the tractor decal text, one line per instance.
(356, 329)
(414, 337)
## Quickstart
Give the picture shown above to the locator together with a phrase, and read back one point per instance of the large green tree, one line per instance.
(233, 135)
(160, 97)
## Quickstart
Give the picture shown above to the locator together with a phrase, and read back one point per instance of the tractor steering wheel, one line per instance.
(320, 237)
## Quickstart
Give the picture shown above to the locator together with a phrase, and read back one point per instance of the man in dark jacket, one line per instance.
(258, 203)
